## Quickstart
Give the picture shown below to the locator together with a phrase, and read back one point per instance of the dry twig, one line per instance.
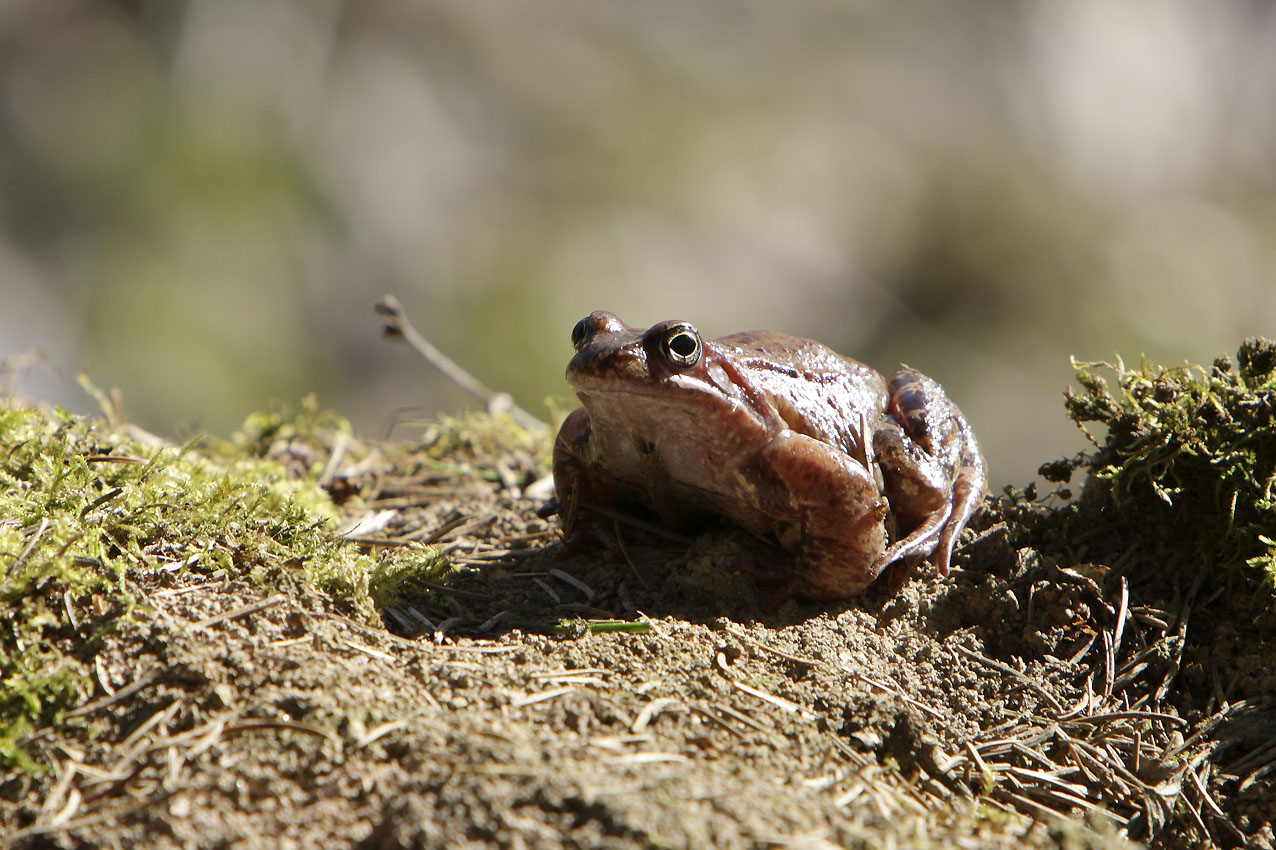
(397, 326)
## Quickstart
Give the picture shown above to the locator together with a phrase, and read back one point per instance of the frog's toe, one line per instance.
(896, 574)
(943, 555)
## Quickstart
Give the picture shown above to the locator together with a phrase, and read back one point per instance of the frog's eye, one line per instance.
(579, 333)
(681, 346)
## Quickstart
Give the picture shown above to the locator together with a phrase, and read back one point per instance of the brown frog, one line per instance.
(782, 435)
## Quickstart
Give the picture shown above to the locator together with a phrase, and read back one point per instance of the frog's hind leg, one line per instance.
(822, 504)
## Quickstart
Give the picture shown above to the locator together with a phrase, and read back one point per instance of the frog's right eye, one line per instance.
(580, 333)
(681, 346)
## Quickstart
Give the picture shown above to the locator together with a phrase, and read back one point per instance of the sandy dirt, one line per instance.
(1058, 689)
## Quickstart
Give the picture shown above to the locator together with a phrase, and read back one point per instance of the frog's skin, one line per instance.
(782, 435)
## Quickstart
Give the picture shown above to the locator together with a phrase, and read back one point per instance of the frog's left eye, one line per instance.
(681, 346)
(579, 333)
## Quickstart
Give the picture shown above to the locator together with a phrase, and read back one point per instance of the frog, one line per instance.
(849, 471)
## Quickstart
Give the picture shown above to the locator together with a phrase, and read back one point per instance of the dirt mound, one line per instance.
(253, 679)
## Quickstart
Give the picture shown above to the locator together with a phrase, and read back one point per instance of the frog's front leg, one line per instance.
(933, 471)
(570, 471)
(830, 509)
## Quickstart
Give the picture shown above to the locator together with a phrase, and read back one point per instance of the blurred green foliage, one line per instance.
(203, 199)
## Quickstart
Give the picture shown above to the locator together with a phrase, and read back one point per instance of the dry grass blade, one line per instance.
(251, 725)
(624, 553)
(1028, 777)
(635, 759)
(68, 811)
(71, 827)
(128, 747)
(1013, 673)
(734, 715)
(1255, 764)
(567, 578)
(242, 611)
(1122, 612)
(895, 690)
(17, 562)
(1036, 756)
(574, 674)
(68, 770)
(638, 522)
(788, 656)
(1030, 806)
(779, 702)
(459, 524)
(1109, 664)
(368, 651)
(1117, 775)
(120, 695)
(543, 696)
(1108, 717)
(1062, 799)
(379, 732)
(649, 712)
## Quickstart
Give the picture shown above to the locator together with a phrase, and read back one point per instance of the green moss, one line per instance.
(308, 425)
(1199, 443)
(455, 441)
(405, 573)
(88, 513)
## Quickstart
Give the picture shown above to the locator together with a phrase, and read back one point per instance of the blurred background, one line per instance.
(200, 201)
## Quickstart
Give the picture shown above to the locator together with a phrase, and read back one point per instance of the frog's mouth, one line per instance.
(673, 389)
(674, 397)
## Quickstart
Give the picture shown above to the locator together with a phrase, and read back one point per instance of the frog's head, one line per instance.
(612, 355)
(659, 381)
(661, 405)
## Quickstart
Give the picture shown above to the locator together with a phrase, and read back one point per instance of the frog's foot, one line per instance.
(968, 494)
(920, 543)
(549, 509)
(919, 490)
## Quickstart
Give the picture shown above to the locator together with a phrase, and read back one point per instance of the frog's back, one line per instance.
(812, 388)
(803, 359)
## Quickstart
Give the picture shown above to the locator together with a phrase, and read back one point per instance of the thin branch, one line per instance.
(397, 326)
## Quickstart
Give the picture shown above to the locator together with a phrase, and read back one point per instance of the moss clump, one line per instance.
(89, 514)
(462, 441)
(1198, 442)
(406, 573)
